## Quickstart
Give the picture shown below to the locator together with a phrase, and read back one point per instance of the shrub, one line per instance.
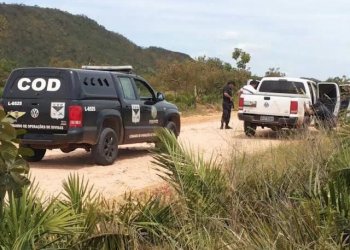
(13, 168)
(183, 101)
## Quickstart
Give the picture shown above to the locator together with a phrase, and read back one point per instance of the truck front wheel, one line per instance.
(171, 126)
(249, 129)
(106, 150)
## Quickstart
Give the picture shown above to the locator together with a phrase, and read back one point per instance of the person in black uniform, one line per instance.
(324, 115)
(227, 104)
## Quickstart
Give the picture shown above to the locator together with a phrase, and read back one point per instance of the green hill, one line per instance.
(33, 36)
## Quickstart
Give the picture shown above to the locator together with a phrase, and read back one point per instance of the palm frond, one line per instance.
(32, 217)
(202, 184)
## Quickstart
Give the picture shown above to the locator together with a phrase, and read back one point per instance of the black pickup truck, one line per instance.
(96, 108)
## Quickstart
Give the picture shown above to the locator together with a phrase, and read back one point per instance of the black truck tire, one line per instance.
(249, 129)
(105, 152)
(171, 126)
(38, 154)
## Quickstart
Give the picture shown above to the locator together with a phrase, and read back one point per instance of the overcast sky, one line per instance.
(302, 37)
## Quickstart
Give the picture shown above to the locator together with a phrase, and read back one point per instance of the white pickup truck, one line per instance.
(279, 103)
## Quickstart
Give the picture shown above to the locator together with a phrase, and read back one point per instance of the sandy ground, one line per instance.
(133, 171)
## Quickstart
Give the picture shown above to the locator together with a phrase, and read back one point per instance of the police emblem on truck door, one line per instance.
(135, 113)
(57, 110)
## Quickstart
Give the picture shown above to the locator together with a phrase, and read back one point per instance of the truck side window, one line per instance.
(143, 91)
(128, 90)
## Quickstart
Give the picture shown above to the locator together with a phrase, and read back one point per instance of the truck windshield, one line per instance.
(285, 87)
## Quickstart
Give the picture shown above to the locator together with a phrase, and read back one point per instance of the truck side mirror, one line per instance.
(160, 97)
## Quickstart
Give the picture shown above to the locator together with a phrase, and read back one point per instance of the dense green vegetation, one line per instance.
(32, 36)
(199, 81)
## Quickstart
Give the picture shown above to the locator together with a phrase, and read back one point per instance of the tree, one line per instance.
(274, 72)
(202, 78)
(339, 80)
(227, 66)
(242, 58)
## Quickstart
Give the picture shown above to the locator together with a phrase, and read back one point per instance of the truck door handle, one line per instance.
(266, 98)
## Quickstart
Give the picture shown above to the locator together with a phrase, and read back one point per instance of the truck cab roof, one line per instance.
(292, 79)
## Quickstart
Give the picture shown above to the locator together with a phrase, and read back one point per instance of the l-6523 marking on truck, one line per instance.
(90, 108)
(14, 103)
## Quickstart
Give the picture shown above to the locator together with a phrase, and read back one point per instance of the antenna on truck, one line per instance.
(124, 69)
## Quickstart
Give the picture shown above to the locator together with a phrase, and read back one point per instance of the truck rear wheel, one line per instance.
(249, 129)
(106, 150)
(38, 154)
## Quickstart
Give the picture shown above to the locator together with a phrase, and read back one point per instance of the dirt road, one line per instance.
(133, 170)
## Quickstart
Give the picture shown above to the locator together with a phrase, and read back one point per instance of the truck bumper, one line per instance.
(278, 121)
(73, 136)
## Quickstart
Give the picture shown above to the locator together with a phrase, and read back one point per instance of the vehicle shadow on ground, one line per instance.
(81, 159)
(284, 134)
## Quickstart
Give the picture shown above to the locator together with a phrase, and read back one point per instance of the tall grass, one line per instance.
(273, 200)
(295, 196)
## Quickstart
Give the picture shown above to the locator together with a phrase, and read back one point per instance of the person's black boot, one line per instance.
(222, 126)
(227, 127)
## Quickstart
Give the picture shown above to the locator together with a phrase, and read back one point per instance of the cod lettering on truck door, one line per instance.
(38, 100)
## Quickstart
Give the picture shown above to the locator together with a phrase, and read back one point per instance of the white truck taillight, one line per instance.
(241, 103)
(294, 107)
(75, 116)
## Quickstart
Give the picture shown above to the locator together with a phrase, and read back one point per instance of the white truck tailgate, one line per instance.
(268, 105)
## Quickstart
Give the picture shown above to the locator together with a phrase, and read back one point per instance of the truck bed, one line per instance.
(271, 108)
